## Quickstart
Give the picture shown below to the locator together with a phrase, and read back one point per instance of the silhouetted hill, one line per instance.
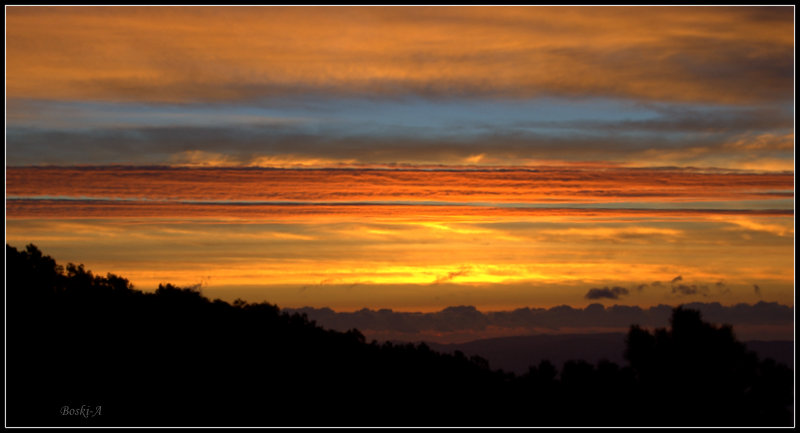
(516, 354)
(85, 350)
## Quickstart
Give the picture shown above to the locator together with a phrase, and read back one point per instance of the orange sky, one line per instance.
(420, 239)
(409, 157)
(423, 264)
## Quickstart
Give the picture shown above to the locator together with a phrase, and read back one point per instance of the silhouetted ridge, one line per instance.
(174, 357)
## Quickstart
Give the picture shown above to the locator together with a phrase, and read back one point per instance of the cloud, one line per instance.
(722, 288)
(474, 159)
(554, 186)
(381, 131)
(741, 124)
(199, 158)
(678, 287)
(451, 275)
(606, 293)
(685, 289)
(691, 289)
(751, 224)
(287, 211)
(467, 318)
(710, 54)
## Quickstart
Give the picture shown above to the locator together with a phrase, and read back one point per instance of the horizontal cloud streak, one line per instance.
(26, 208)
(718, 54)
(542, 185)
(499, 141)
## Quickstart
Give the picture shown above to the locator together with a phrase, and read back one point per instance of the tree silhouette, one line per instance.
(176, 358)
(698, 374)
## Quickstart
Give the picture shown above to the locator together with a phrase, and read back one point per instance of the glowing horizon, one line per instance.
(388, 238)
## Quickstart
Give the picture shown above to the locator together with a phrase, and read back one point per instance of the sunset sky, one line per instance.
(409, 158)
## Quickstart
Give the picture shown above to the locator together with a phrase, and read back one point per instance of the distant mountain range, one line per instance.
(516, 354)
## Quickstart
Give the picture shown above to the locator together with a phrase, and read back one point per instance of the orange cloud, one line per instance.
(21, 208)
(179, 54)
(546, 185)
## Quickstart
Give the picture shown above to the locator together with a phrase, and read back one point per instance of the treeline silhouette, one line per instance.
(176, 358)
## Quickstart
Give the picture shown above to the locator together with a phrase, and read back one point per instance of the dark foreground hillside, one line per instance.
(84, 350)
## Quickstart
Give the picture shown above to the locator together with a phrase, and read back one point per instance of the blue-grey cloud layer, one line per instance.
(408, 130)
(467, 318)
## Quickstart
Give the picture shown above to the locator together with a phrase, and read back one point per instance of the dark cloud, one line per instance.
(679, 287)
(725, 64)
(606, 293)
(694, 289)
(686, 289)
(451, 275)
(468, 318)
(682, 119)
